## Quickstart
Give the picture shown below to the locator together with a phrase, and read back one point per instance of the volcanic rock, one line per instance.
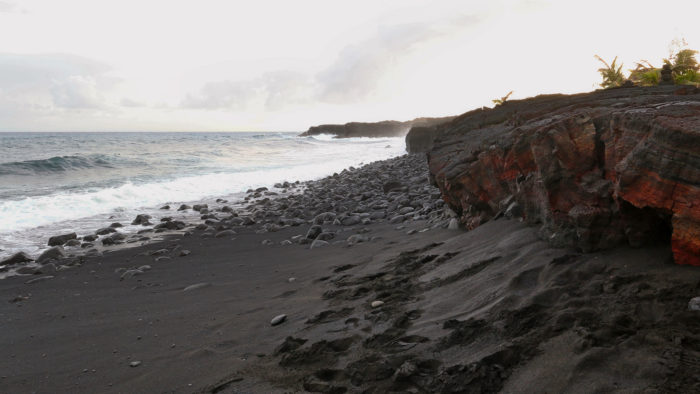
(61, 239)
(592, 170)
(17, 258)
(54, 253)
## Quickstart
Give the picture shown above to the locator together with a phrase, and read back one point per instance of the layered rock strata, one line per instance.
(593, 170)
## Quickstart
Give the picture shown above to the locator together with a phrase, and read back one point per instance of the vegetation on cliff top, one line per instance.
(681, 68)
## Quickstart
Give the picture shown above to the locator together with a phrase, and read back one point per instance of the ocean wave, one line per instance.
(55, 164)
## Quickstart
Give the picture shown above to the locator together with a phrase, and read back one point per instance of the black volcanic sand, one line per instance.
(490, 310)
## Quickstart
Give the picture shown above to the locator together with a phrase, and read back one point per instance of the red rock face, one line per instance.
(593, 170)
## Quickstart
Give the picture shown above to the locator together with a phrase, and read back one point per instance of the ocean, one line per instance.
(54, 183)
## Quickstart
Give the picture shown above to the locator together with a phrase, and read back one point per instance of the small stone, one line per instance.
(184, 252)
(376, 304)
(134, 364)
(279, 319)
(453, 225)
(290, 280)
(694, 304)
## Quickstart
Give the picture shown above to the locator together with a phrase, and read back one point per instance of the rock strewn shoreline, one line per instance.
(393, 190)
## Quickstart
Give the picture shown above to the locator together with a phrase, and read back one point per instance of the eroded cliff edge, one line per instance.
(387, 128)
(593, 170)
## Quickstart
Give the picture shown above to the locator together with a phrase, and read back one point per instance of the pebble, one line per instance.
(376, 304)
(279, 319)
(134, 364)
(290, 280)
(454, 224)
(694, 304)
(184, 252)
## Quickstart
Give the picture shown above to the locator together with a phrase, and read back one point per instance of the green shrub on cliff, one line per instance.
(611, 73)
(685, 67)
(645, 74)
(683, 64)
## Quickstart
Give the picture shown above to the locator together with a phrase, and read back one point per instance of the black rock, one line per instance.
(314, 231)
(17, 258)
(116, 225)
(61, 239)
(165, 207)
(114, 239)
(184, 207)
(89, 238)
(54, 253)
(199, 207)
(142, 219)
(392, 186)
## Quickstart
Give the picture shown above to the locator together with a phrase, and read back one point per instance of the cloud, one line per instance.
(34, 86)
(359, 68)
(6, 6)
(76, 91)
(274, 91)
(356, 73)
(26, 71)
(127, 102)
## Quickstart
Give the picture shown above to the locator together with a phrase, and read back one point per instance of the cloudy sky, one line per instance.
(286, 65)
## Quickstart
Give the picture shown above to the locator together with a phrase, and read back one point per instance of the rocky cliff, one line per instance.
(387, 128)
(592, 170)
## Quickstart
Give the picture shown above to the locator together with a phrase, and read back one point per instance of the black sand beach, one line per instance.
(489, 310)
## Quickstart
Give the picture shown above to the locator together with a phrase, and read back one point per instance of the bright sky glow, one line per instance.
(196, 65)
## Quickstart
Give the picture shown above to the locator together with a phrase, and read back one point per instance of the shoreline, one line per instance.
(66, 201)
(133, 234)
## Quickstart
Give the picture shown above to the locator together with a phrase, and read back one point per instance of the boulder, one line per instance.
(142, 219)
(53, 253)
(17, 258)
(314, 231)
(103, 231)
(200, 207)
(61, 239)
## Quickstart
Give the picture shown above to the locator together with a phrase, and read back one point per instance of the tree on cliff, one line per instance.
(611, 73)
